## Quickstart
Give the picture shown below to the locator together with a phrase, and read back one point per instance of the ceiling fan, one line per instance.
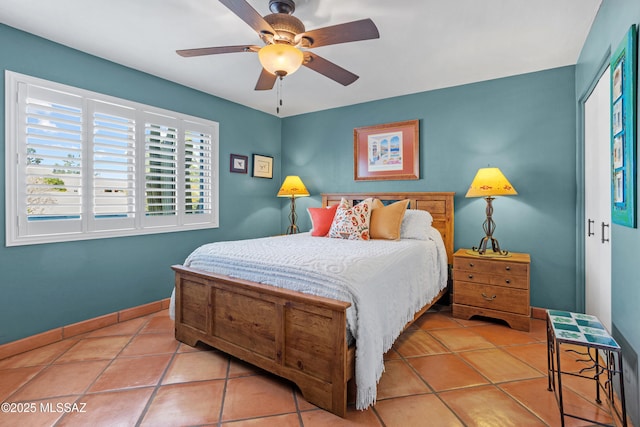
(284, 36)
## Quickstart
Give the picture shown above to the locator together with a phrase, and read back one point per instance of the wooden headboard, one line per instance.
(439, 205)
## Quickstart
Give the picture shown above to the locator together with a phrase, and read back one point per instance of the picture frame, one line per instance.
(623, 131)
(262, 166)
(388, 151)
(238, 163)
(618, 152)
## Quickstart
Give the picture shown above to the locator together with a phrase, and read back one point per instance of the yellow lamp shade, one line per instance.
(293, 187)
(280, 59)
(490, 182)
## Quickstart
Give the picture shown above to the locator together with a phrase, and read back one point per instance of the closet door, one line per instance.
(597, 153)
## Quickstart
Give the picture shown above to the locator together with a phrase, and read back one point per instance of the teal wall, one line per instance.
(612, 23)
(51, 285)
(525, 125)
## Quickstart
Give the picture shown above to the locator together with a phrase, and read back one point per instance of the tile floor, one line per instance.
(441, 372)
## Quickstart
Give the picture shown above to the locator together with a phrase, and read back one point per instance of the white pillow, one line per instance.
(416, 224)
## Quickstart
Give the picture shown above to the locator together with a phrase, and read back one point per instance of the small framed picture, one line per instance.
(617, 81)
(262, 166)
(238, 163)
(618, 152)
(617, 117)
(618, 187)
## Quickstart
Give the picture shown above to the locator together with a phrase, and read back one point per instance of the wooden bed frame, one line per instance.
(297, 336)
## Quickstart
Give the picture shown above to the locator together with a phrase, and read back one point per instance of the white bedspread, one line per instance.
(386, 282)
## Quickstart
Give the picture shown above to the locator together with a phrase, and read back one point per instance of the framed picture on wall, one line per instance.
(262, 166)
(618, 187)
(616, 122)
(238, 163)
(618, 152)
(387, 152)
(623, 131)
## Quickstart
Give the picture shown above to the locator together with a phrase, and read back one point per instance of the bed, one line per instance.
(298, 336)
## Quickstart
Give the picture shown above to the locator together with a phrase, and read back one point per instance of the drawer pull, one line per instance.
(471, 264)
(507, 281)
(488, 298)
(470, 276)
(508, 268)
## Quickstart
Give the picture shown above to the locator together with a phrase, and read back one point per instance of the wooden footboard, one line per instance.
(296, 336)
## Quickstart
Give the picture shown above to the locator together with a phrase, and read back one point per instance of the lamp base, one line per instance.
(292, 229)
(495, 247)
(488, 254)
(489, 227)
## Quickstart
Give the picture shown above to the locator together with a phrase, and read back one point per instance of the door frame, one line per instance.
(580, 285)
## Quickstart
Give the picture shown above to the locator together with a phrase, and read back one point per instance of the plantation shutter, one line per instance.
(50, 161)
(82, 165)
(198, 170)
(160, 173)
(113, 167)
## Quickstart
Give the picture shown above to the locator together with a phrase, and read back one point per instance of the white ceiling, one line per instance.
(423, 44)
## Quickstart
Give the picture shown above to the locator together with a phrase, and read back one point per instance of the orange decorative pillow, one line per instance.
(321, 219)
(352, 223)
(386, 220)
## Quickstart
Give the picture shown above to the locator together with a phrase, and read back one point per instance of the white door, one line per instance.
(597, 170)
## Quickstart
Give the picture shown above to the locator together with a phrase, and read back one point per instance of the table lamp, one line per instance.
(293, 187)
(490, 182)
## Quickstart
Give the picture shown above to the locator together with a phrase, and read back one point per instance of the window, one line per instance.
(82, 165)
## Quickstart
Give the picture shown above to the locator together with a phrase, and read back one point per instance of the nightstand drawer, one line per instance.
(518, 282)
(472, 276)
(493, 297)
(509, 281)
(491, 266)
(512, 268)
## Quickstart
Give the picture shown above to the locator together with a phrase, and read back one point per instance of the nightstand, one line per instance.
(496, 287)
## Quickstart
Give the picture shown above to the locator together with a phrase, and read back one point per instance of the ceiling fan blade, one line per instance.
(364, 29)
(266, 80)
(329, 69)
(216, 50)
(249, 15)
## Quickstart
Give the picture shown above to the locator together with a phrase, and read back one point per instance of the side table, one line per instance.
(492, 287)
(601, 351)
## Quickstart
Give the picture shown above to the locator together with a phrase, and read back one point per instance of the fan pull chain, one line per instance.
(279, 94)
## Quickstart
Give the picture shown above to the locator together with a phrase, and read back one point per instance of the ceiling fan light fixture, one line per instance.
(280, 59)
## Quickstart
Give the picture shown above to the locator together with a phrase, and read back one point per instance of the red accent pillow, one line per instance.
(321, 219)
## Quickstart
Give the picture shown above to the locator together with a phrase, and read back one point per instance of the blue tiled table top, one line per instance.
(580, 329)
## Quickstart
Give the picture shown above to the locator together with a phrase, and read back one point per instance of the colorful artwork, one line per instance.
(618, 152)
(385, 152)
(388, 151)
(623, 131)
